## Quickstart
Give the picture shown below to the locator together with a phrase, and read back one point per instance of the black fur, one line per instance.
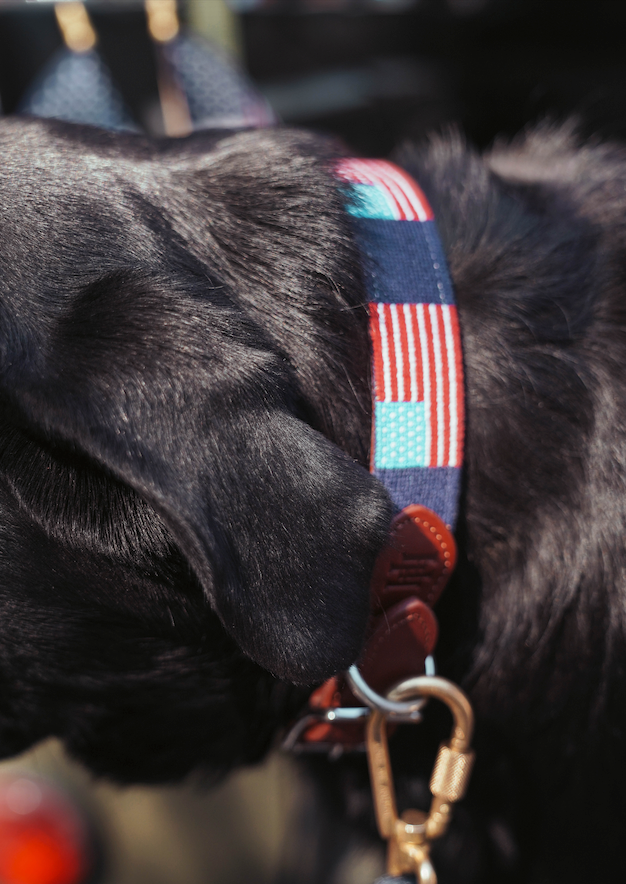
(188, 525)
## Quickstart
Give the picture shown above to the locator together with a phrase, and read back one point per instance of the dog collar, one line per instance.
(417, 435)
(417, 382)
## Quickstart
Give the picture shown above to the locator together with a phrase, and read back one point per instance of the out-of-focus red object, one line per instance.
(43, 836)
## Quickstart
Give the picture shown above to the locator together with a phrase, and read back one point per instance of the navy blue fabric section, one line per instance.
(403, 261)
(435, 487)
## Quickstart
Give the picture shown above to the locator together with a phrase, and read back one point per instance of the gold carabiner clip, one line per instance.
(410, 835)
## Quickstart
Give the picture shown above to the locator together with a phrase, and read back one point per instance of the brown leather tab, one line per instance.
(329, 695)
(418, 559)
(400, 643)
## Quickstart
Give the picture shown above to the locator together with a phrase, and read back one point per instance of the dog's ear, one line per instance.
(165, 385)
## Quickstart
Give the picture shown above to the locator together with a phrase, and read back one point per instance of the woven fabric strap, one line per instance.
(417, 383)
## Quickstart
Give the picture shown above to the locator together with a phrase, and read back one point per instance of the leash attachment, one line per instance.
(408, 578)
(409, 836)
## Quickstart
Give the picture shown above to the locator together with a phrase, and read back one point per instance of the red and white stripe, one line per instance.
(404, 197)
(417, 358)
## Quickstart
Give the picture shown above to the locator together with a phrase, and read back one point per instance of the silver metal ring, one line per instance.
(408, 711)
(429, 666)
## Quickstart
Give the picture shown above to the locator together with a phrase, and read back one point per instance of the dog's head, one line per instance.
(182, 355)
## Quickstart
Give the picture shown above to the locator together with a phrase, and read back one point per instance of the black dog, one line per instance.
(188, 525)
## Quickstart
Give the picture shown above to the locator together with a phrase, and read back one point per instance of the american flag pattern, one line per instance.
(418, 420)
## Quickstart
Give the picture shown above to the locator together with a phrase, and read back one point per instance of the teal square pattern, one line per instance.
(400, 435)
(369, 201)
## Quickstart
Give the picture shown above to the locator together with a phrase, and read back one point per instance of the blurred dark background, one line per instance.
(373, 71)
(490, 66)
